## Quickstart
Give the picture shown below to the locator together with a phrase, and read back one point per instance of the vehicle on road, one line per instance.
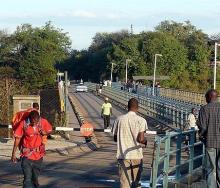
(81, 88)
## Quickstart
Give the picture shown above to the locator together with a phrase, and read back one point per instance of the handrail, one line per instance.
(169, 114)
(168, 168)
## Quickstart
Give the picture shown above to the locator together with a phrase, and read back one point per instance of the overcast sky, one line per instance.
(83, 18)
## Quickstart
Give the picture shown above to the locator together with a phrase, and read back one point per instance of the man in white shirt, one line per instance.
(192, 119)
(129, 132)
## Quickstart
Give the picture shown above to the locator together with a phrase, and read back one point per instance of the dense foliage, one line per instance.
(186, 57)
(30, 53)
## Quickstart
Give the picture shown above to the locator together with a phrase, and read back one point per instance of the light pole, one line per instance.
(112, 71)
(215, 65)
(155, 66)
(126, 70)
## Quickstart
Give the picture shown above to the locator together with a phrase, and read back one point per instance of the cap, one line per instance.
(106, 98)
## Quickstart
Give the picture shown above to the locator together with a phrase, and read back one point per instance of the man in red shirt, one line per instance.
(28, 136)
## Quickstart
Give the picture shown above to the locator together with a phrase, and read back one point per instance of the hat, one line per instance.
(106, 98)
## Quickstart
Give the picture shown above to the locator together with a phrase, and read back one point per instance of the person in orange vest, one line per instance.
(28, 138)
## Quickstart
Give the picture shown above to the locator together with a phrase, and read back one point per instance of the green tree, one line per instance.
(33, 52)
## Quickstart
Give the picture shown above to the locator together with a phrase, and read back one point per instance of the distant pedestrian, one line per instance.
(129, 132)
(97, 89)
(209, 132)
(192, 120)
(106, 113)
(100, 89)
(28, 138)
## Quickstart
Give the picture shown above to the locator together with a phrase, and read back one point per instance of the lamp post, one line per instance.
(112, 71)
(155, 66)
(126, 70)
(215, 65)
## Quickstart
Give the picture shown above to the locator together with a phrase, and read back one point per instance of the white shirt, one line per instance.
(192, 121)
(127, 127)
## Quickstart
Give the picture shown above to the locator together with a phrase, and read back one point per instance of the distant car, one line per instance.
(81, 88)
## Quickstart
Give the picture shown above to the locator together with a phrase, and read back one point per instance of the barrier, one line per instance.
(180, 167)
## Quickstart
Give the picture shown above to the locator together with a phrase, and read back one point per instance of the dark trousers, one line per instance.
(212, 167)
(31, 170)
(106, 121)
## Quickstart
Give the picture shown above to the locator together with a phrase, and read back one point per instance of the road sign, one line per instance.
(86, 129)
(150, 77)
(60, 74)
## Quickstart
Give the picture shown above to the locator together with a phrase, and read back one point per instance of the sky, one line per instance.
(83, 18)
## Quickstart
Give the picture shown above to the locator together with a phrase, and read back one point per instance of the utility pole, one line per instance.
(126, 70)
(215, 65)
(112, 71)
(155, 67)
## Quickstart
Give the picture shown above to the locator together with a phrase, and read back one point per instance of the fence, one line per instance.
(166, 112)
(192, 97)
(179, 95)
(168, 158)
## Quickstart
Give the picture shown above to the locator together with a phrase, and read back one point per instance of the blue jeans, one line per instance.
(212, 167)
(31, 170)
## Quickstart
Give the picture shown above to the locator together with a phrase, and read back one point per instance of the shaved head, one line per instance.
(133, 105)
(211, 95)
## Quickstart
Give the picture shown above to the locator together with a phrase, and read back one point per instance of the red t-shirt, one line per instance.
(31, 138)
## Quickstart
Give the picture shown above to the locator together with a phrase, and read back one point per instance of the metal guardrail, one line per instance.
(168, 113)
(163, 158)
(191, 97)
(177, 101)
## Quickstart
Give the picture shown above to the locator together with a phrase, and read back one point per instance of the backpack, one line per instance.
(43, 137)
(19, 117)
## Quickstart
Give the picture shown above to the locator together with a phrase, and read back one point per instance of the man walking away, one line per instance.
(209, 132)
(106, 113)
(128, 131)
(28, 137)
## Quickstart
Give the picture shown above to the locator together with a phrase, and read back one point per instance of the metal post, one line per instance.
(112, 71)
(126, 71)
(66, 97)
(178, 154)
(155, 66)
(166, 160)
(215, 65)
(154, 171)
(191, 155)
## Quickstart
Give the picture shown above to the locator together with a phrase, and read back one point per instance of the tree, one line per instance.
(33, 52)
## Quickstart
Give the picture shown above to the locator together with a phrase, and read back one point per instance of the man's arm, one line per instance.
(202, 123)
(102, 111)
(141, 139)
(16, 144)
(115, 130)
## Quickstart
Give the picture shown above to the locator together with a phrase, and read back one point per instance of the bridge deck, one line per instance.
(81, 166)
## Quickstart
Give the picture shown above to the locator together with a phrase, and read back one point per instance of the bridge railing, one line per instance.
(167, 113)
(169, 157)
(194, 98)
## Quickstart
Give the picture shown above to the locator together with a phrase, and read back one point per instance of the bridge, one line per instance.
(167, 161)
